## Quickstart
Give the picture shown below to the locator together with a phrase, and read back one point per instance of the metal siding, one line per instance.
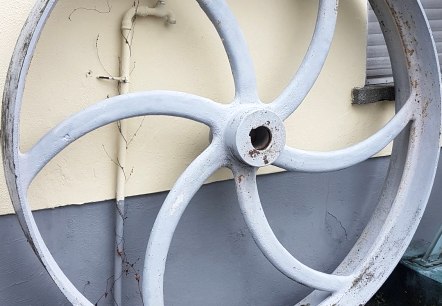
(378, 61)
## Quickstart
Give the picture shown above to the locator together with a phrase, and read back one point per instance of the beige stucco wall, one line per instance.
(187, 57)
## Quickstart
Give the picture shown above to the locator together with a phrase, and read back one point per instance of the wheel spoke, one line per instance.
(167, 220)
(313, 61)
(236, 49)
(113, 109)
(245, 179)
(310, 161)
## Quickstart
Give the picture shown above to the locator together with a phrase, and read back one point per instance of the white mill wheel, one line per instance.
(248, 134)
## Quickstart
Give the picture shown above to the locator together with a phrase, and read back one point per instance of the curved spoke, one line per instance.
(236, 49)
(167, 220)
(245, 179)
(113, 109)
(310, 161)
(312, 63)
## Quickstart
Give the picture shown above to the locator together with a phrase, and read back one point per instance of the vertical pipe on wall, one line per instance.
(127, 31)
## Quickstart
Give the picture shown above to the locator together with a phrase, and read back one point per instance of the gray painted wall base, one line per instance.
(213, 259)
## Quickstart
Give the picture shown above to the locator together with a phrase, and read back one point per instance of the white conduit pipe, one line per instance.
(124, 87)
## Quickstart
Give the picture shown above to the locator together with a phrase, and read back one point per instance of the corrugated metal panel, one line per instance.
(378, 61)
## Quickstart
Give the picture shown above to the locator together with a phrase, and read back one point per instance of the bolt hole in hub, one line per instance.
(256, 136)
(261, 137)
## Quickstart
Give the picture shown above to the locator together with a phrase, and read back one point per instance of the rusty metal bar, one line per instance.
(373, 93)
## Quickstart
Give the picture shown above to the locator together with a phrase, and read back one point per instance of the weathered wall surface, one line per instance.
(213, 258)
(82, 41)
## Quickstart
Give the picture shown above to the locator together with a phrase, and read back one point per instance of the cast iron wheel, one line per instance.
(248, 134)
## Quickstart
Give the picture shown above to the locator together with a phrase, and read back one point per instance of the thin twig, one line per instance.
(130, 174)
(116, 162)
(121, 132)
(107, 290)
(135, 134)
(109, 8)
(133, 68)
(99, 58)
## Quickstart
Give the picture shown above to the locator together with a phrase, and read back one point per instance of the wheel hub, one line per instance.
(256, 137)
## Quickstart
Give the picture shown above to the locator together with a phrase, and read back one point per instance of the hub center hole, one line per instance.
(260, 137)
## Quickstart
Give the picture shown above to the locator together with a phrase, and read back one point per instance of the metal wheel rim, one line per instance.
(407, 188)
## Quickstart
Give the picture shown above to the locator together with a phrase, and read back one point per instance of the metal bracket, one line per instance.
(373, 93)
(433, 256)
